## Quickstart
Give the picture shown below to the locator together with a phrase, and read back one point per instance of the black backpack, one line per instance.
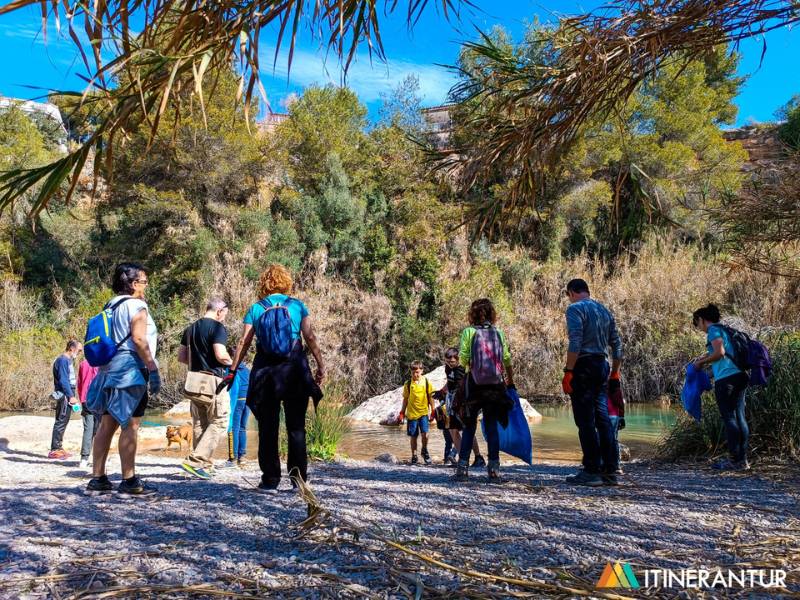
(741, 347)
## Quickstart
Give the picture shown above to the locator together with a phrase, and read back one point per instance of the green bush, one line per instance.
(772, 412)
(325, 428)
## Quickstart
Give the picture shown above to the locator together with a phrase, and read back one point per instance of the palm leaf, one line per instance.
(175, 37)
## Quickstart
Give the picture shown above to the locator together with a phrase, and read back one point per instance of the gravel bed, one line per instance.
(222, 534)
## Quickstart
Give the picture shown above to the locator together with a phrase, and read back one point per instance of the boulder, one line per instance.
(182, 408)
(383, 409)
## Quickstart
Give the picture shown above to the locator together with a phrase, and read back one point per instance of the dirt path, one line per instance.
(223, 538)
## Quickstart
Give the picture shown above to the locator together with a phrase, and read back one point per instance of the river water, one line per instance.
(555, 438)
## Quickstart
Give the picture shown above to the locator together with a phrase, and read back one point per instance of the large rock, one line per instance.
(181, 409)
(384, 408)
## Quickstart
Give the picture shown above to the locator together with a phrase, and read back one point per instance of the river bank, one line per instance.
(380, 530)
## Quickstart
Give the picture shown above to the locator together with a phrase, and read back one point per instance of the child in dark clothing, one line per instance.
(455, 374)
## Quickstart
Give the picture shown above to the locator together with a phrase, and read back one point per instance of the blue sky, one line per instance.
(433, 41)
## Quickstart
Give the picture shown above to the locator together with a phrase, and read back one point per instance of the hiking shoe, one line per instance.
(452, 458)
(493, 471)
(267, 488)
(414, 459)
(197, 472)
(135, 487)
(584, 478)
(228, 464)
(479, 461)
(84, 464)
(426, 456)
(98, 486)
(462, 472)
(59, 454)
(241, 463)
(610, 479)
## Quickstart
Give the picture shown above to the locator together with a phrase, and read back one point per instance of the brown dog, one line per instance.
(176, 435)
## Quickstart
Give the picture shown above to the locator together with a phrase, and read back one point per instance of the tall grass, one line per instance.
(772, 412)
(325, 426)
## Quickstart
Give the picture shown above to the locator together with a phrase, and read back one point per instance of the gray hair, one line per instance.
(216, 303)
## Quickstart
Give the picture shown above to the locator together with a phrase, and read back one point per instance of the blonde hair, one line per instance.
(276, 279)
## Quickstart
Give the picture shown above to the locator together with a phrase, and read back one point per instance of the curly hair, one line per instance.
(276, 279)
(482, 311)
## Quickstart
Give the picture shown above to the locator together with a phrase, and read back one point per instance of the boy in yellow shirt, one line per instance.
(417, 406)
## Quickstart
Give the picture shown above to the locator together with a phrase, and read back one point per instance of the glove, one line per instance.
(433, 416)
(621, 423)
(566, 382)
(154, 383)
(400, 416)
(614, 376)
(226, 382)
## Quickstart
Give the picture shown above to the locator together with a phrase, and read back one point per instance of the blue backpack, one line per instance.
(99, 346)
(274, 330)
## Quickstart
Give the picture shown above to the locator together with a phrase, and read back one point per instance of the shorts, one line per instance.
(138, 412)
(413, 427)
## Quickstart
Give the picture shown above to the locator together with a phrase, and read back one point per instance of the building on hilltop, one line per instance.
(269, 123)
(440, 124)
(32, 108)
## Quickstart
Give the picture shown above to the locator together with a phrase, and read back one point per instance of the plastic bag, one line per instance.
(515, 439)
(696, 383)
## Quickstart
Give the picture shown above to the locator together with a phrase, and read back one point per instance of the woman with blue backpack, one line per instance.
(730, 383)
(280, 374)
(485, 354)
(121, 341)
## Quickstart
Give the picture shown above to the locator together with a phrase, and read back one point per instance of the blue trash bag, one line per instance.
(695, 384)
(516, 438)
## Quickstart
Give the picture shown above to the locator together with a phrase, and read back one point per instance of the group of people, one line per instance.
(223, 391)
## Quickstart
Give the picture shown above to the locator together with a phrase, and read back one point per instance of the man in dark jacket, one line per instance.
(64, 384)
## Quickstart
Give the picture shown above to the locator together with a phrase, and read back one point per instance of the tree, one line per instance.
(789, 131)
(140, 74)
(402, 107)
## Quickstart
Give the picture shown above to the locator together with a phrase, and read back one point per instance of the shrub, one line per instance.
(328, 424)
(772, 412)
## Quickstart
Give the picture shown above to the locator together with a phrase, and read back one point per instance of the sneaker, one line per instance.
(584, 478)
(241, 463)
(197, 472)
(462, 472)
(135, 487)
(267, 488)
(59, 454)
(426, 456)
(493, 471)
(414, 459)
(98, 486)
(228, 464)
(479, 461)
(726, 464)
(84, 464)
(452, 458)
(610, 479)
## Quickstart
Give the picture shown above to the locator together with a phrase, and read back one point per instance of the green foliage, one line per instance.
(323, 122)
(328, 424)
(773, 413)
(789, 131)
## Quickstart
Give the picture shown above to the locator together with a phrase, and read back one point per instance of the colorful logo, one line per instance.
(620, 575)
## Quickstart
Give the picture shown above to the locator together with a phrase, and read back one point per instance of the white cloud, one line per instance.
(367, 79)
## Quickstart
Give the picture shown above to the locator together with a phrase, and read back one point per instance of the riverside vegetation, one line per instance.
(387, 273)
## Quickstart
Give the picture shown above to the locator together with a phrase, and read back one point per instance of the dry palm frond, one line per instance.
(762, 221)
(596, 62)
(137, 75)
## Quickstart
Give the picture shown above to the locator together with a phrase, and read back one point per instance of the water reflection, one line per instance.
(555, 438)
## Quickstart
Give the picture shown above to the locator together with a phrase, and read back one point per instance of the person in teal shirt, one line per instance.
(730, 384)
